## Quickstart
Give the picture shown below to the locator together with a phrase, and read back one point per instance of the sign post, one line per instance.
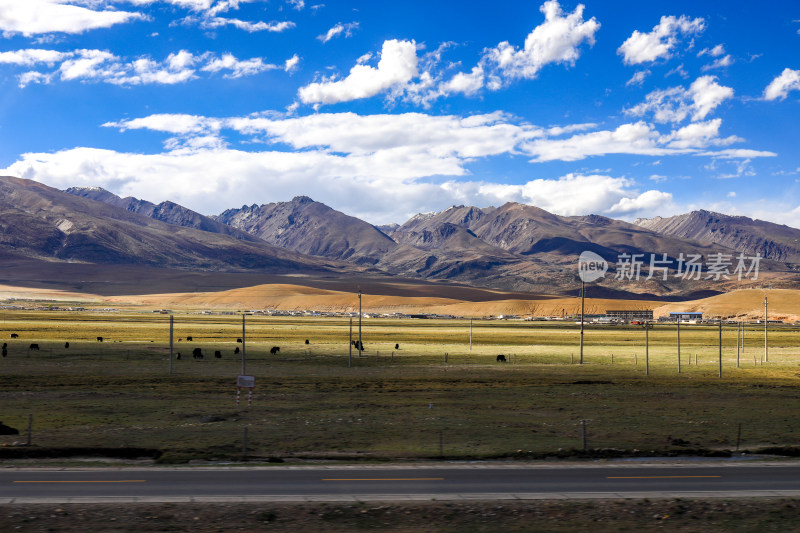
(245, 382)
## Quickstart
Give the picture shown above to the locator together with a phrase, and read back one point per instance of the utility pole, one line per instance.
(243, 350)
(678, 322)
(766, 353)
(470, 334)
(360, 346)
(646, 348)
(170, 344)
(720, 346)
(738, 342)
(350, 354)
(583, 295)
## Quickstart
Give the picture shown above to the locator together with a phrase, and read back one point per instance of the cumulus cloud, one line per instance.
(392, 192)
(341, 156)
(778, 89)
(450, 140)
(35, 17)
(556, 40)
(345, 30)
(699, 135)
(645, 202)
(397, 66)
(638, 138)
(660, 42)
(677, 103)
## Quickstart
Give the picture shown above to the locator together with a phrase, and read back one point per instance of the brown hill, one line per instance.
(168, 212)
(312, 228)
(44, 223)
(773, 241)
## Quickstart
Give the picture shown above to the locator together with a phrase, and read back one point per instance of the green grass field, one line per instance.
(431, 396)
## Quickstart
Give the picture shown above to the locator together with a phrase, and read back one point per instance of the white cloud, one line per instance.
(169, 123)
(89, 64)
(778, 89)
(556, 40)
(713, 52)
(645, 202)
(463, 83)
(297, 4)
(238, 68)
(706, 95)
(676, 103)
(103, 66)
(699, 135)
(27, 78)
(638, 138)
(343, 156)
(387, 188)
(660, 42)
(31, 56)
(737, 153)
(33, 17)
(251, 27)
(291, 64)
(397, 66)
(345, 30)
(638, 78)
(721, 62)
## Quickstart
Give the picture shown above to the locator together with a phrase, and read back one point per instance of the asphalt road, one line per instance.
(397, 483)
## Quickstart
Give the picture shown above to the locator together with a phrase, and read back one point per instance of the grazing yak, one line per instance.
(396, 346)
(274, 350)
(14, 335)
(34, 347)
(236, 350)
(307, 342)
(99, 339)
(197, 353)
(66, 345)
(358, 345)
(239, 341)
(5, 349)
(189, 339)
(218, 354)
(501, 358)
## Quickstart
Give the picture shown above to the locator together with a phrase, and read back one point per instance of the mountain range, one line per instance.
(513, 247)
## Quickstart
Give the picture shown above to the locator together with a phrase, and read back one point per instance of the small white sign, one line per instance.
(246, 382)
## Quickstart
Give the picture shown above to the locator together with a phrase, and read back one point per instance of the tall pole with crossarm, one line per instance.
(583, 296)
(766, 353)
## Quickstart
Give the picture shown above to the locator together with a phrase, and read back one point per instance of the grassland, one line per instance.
(434, 396)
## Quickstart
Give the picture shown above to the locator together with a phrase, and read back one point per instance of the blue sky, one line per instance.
(386, 109)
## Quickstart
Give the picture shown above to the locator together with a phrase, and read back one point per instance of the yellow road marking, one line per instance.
(657, 477)
(387, 479)
(87, 481)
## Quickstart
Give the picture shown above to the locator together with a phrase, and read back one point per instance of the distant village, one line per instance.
(610, 317)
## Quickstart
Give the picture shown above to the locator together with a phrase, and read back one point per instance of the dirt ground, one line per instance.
(711, 515)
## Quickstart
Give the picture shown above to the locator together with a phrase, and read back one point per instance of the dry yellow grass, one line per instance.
(784, 304)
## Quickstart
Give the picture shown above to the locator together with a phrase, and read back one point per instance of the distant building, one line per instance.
(629, 315)
(686, 316)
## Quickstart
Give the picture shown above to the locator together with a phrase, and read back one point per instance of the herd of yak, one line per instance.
(197, 353)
